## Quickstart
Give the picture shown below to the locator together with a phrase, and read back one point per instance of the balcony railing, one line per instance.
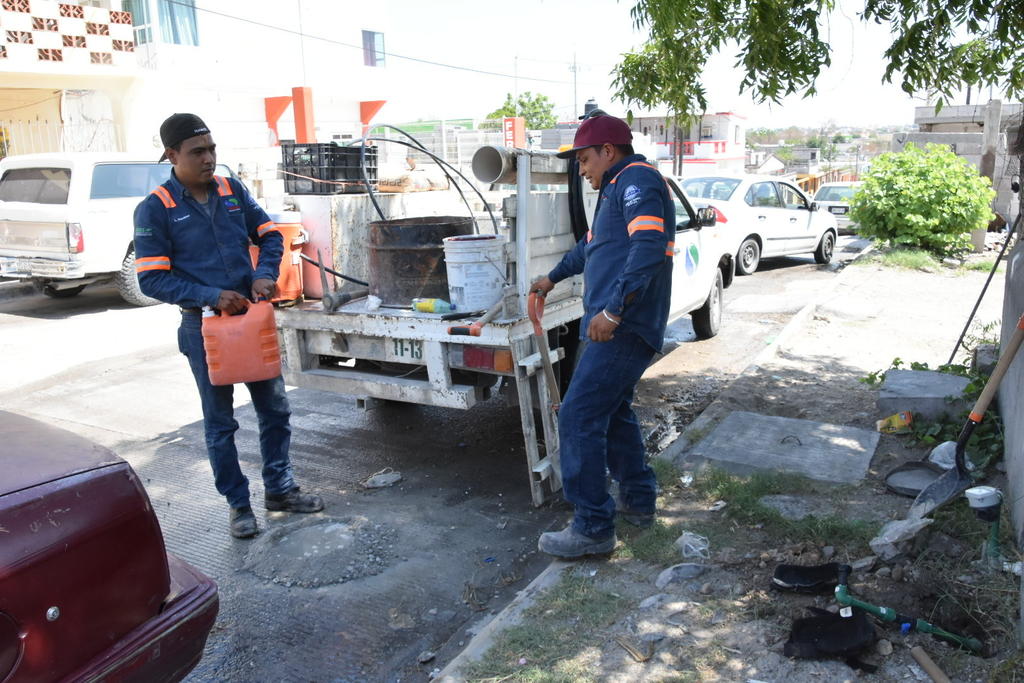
(31, 137)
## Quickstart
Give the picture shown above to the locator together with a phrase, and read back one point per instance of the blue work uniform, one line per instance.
(626, 257)
(626, 261)
(186, 253)
(186, 256)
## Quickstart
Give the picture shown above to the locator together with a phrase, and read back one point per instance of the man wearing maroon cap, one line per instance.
(626, 261)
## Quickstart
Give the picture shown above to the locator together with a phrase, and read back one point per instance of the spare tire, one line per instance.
(128, 283)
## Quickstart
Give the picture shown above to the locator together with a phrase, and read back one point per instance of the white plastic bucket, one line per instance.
(476, 270)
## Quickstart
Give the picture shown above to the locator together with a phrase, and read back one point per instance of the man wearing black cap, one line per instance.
(626, 261)
(191, 249)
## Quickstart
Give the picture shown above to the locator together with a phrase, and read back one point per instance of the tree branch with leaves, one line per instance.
(780, 50)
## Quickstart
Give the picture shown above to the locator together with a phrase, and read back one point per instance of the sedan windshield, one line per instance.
(710, 188)
(835, 193)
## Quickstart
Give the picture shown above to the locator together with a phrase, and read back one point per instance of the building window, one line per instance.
(140, 20)
(178, 21)
(373, 48)
(705, 132)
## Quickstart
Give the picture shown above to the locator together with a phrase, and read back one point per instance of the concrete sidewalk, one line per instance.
(869, 316)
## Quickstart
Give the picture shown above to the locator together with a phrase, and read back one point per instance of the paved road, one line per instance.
(381, 576)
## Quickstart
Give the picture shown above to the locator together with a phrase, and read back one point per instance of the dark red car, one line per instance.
(87, 590)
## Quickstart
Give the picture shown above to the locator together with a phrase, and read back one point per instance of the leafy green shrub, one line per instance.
(928, 198)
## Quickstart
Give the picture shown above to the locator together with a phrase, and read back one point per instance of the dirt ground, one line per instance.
(608, 619)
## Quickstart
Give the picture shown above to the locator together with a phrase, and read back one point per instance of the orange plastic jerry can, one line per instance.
(241, 348)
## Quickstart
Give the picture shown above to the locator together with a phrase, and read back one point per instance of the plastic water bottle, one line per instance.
(432, 306)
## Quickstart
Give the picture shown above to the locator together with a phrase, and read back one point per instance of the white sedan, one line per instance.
(835, 198)
(765, 216)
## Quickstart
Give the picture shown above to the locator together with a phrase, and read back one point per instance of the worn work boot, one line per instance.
(293, 501)
(642, 520)
(242, 522)
(569, 544)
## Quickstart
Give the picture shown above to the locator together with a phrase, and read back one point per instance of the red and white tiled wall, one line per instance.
(47, 31)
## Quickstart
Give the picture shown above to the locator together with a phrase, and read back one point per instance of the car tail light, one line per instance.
(480, 358)
(719, 216)
(76, 238)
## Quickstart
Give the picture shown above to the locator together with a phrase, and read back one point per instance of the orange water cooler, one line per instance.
(289, 279)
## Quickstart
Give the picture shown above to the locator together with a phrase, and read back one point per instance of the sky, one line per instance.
(531, 45)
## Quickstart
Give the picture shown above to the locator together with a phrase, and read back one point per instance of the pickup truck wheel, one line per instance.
(54, 293)
(707, 319)
(748, 256)
(827, 245)
(128, 283)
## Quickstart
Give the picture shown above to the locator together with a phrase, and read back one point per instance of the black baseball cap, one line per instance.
(180, 127)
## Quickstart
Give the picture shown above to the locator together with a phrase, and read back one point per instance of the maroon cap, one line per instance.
(599, 130)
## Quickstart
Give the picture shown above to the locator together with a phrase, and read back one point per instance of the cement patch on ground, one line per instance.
(744, 441)
(320, 550)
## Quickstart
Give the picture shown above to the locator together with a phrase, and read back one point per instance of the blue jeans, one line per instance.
(272, 412)
(598, 433)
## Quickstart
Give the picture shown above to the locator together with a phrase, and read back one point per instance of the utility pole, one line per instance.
(575, 70)
(515, 85)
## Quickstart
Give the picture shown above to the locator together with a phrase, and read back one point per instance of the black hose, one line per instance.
(334, 272)
(984, 289)
(442, 161)
(423, 149)
(577, 212)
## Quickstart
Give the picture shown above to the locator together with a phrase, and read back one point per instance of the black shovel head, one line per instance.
(941, 491)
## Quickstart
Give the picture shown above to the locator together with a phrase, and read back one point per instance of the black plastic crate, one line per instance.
(328, 168)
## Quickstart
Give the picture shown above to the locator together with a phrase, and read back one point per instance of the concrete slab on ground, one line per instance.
(922, 391)
(747, 441)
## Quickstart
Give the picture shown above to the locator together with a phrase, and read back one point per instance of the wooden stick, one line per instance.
(929, 666)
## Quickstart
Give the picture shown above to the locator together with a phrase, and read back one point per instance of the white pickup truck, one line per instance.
(66, 219)
(404, 355)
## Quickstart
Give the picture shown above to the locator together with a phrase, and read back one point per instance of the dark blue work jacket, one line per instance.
(626, 257)
(187, 257)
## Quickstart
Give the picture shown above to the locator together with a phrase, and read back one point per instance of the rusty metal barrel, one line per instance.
(407, 257)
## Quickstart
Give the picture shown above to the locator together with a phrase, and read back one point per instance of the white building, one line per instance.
(103, 74)
(714, 143)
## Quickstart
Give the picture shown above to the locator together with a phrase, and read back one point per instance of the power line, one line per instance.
(184, 3)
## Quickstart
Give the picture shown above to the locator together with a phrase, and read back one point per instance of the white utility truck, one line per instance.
(404, 355)
(66, 219)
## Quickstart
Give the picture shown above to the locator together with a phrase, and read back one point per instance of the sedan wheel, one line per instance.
(823, 254)
(748, 257)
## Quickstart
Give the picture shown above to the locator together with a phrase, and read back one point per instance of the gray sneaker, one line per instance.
(569, 544)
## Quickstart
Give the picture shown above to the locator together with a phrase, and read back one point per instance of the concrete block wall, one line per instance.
(1011, 392)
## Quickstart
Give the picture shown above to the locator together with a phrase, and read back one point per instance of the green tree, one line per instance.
(840, 139)
(538, 110)
(928, 198)
(781, 49)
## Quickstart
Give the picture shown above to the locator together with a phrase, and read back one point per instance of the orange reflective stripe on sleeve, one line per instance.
(152, 263)
(670, 250)
(223, 186)
(265, 228)
(646, 223)
(165, 197)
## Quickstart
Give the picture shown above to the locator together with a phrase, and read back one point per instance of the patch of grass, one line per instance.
(665, 472)
(743, 495)
(983, 266)
(555, 637)
(902, 257)
(653, 545)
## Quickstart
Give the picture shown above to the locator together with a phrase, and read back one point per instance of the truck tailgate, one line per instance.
(34, 238)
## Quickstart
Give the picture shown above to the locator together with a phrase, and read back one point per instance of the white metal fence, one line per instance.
(31, 137)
